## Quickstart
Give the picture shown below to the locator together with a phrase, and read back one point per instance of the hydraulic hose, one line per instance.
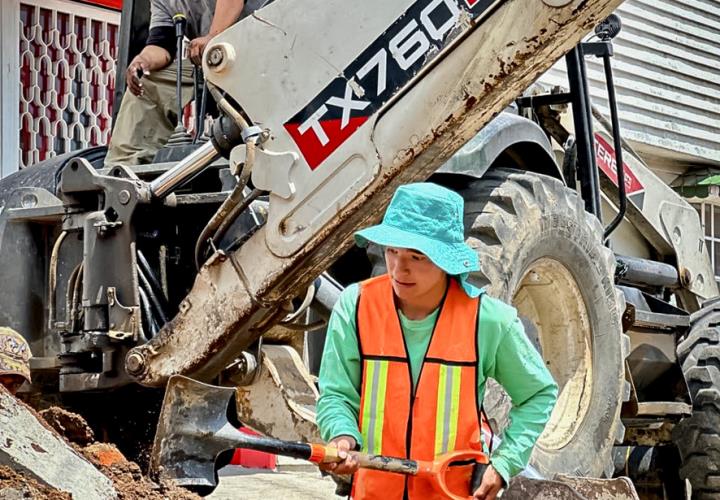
(76, 298)
(147, 313)
(236, 211)
(228, 206)
(69, 304)
(52, 279)
(152, 278)
(225, 106)
(145, 284)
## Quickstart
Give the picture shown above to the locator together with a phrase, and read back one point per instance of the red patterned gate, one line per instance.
(67, 76)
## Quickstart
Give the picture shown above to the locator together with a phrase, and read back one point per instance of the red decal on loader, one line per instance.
(605, 157)
(381, 71)
(335, 134)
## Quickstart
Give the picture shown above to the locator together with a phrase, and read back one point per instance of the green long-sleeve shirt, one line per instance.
(506, 355)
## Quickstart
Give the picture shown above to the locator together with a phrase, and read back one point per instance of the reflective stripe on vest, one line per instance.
(442, 413)
(448, 406)
(374, 410)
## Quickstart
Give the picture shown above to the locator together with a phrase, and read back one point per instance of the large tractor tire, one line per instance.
(540, 251)
(698, 436)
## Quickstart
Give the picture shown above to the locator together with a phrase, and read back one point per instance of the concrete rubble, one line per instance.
(53, 455)
(29, 446)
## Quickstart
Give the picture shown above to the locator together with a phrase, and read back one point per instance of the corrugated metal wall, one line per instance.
(667, 76)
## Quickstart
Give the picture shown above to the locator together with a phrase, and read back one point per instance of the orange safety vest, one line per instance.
(440, 415)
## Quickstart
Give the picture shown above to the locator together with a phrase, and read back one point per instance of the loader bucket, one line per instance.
(571, 488)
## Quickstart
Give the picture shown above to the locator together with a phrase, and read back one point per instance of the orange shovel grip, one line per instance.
(436, 471)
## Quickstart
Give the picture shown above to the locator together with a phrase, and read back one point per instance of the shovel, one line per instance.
(198, 422)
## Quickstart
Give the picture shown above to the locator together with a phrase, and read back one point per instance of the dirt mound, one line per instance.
(102, 454)
(16, 485)
(131, 484)
(127, 476)
(69, 425)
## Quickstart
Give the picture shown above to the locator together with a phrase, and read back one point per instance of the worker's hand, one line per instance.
(136, 67)
(492, 483)
(196, 49)
(350, 463)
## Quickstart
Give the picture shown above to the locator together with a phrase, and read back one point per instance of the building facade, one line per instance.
(57, 77)
(667, 78)
(666, 69)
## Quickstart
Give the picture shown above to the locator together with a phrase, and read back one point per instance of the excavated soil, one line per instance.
(126, 476)
(15, 485)
(69, 425)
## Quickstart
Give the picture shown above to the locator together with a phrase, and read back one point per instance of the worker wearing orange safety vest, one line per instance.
(408, 353)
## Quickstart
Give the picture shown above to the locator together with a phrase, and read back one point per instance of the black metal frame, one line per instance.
(579, 96)
(134, 24)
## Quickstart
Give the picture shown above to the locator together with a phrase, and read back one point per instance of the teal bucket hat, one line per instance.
(427, 218)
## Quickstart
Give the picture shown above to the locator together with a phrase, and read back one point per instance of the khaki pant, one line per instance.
(144, 123)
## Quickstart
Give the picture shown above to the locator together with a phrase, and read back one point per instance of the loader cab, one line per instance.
(134, 30)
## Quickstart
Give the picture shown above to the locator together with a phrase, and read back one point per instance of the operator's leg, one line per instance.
(144, 123)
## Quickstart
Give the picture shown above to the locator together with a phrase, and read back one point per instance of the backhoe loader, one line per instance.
(221, 262)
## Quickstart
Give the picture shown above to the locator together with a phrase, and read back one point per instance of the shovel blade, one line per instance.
(188, 438)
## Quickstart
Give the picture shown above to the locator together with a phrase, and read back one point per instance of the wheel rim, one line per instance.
(549, 297)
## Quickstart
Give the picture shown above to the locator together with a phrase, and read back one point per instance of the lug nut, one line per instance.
(686, 277)
(220, 56)
(124, 197)
(135, 363)
(215, 57)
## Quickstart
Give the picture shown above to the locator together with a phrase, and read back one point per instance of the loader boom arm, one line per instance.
(358, 98)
